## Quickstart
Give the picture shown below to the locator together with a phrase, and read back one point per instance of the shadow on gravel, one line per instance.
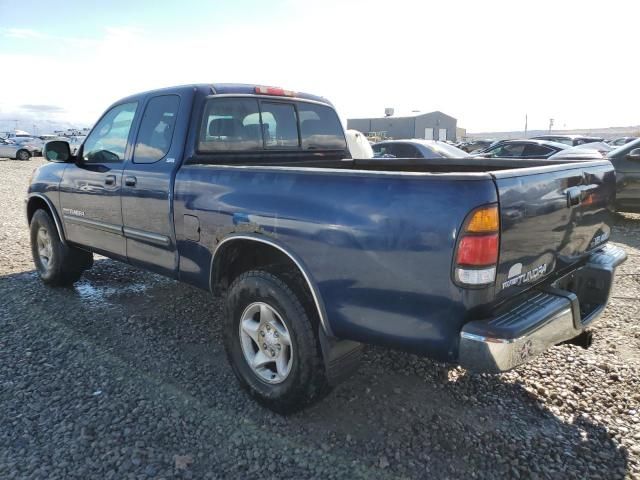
(399, 415)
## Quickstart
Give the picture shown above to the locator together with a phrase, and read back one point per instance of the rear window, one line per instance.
(249, 124)
(230, 124)
(320, 127)
(279, 125)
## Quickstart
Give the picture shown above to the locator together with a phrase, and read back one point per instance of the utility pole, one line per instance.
(550, 124)
(526, 124)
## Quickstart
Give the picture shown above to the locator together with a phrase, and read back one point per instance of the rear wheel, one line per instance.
(23, 155)
(271, 344)
(57, 264)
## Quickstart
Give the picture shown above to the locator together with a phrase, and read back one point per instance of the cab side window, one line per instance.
(156, 129)
(108, 140)
(384, 149)
(509, 150)
(538, 151)
(406, 150)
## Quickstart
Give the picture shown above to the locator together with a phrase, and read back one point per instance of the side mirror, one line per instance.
(634, 154)
(57, 151)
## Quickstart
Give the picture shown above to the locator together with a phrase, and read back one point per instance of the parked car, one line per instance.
(250, 192)
(571, 140)
(34, 142)
(17, 150)
(475, 145)
(617, 142)
(417, 149)
(522, 149)
(626, 161)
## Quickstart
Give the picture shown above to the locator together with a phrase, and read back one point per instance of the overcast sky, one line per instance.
(487, 63)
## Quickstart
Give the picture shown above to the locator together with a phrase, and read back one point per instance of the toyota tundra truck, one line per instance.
(250, 192)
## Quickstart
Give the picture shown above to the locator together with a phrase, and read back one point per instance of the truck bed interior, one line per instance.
(453, 165)
(424, 165)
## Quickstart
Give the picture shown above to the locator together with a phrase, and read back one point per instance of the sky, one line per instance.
(486, 63)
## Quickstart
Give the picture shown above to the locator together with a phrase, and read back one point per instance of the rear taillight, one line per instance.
(478, 246)
(478, 250)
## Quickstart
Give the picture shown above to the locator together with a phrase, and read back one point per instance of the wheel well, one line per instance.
(238, 256)
(36, 203)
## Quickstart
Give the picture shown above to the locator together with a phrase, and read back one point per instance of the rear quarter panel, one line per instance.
(378, 246)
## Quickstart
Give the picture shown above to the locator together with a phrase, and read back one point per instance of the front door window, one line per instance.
(108, 140)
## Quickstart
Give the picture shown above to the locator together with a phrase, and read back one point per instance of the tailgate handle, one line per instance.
(574, 195)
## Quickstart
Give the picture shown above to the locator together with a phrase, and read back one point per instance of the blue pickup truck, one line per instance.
(250, 192)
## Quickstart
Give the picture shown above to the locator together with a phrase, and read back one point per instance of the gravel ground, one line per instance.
(124, 376)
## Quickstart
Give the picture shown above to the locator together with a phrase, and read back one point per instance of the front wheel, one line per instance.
(23, 155)
(271, 344)
(57, 264)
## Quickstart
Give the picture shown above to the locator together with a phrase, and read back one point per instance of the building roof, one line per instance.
(403, 115)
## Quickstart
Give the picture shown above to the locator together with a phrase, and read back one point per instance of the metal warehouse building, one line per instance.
(430, 126)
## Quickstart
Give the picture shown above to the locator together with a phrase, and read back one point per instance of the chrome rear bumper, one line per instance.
(545, 318)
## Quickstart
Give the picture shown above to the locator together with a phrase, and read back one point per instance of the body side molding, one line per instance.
(96, 224)
(144, 236)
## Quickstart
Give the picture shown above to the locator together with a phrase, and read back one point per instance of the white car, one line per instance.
(18, 150)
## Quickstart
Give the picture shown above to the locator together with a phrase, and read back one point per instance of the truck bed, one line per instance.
(348, 220)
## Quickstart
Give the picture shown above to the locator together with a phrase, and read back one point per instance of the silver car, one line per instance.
(19, 151)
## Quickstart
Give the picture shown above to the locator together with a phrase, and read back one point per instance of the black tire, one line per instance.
(23, 155)
(65, 264)
(306, 382)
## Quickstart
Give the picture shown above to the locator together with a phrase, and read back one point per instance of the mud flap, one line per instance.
(341, 357)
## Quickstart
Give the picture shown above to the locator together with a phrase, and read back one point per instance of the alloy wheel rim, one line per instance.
(45, 250)
(266, 342)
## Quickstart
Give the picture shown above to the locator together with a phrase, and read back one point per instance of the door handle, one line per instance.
(573, 197)
(110, 180)
(130, 181)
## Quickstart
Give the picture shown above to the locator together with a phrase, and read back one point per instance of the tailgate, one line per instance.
(550, 218)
